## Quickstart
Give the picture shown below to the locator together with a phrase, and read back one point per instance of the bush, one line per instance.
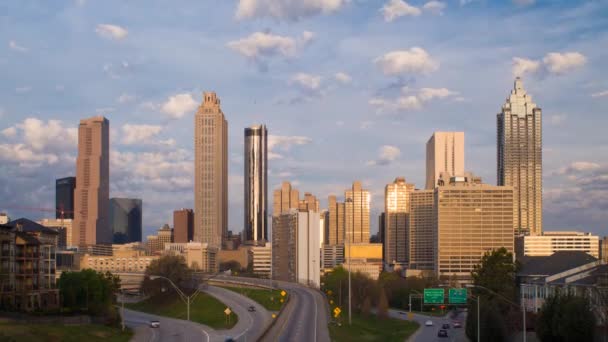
(564, 317)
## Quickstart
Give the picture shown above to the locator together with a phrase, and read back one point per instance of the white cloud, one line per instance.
(394, 9)
(117, 70)
(307, 37)
(10, 132)
(343, 78)
(286, 9)
(306, 82)
(109, 31)
(25, 155)
(16, 47)
(600, 94)
(125, 98)
(557, 119)
(408, 102)
(284, 143)
(578, 167)
(522, 66)
(260, 45)
(427, 94)
(178, 105)
(435, 7)
(560, 63)
(414, 60)
(387, 154)
(138, 134)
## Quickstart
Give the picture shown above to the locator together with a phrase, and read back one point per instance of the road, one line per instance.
(424, 333)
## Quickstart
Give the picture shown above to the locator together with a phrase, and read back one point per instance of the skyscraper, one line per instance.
(421, 230)
(126, 219)
(183, 225)
(210, 172)
(256, 180)
(396, 208)
(92, 193)
(310, 202)
(285, 198)
(519, 157)
(335, 234)
(356, 218)
(444, 153)
(64, 197)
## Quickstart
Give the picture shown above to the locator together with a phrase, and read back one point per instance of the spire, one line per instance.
(519, 85)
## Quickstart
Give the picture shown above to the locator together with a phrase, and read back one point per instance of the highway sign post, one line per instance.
(458, 296)
(433, 296)
(227, 312)
(337, 312)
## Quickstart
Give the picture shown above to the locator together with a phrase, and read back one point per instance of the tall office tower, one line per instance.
(381, 228)
(396, 208)
(309, 202)
(126, 219)
(64, 197)
(92, 193)
(323, 226)
(421, 230)
(210, 172)
(519, 157)
(284, 199)
(183, 225)
(296, 249)
(335, 234)
(356, 218)
(470, 219)
(256, 180)
(444, 153)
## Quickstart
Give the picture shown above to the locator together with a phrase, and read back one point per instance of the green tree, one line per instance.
(173, 267)
(88, 291)
(565, 317)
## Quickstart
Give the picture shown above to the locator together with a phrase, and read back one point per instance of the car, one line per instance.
(428, 323)
(442, 333)
(251, 308)
(457, 324)
(445, 326)
(154, 324)
(229, 339)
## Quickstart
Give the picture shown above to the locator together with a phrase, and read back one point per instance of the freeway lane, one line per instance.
(170, 329)
(424, 333)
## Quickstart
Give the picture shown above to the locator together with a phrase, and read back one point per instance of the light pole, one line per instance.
(186, 299)
(523, 308)
(410, 303)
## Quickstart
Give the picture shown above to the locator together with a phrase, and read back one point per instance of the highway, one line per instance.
(424, 333)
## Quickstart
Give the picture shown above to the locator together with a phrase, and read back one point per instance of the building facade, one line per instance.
(519, 157)
(285, 198)
(183, 225)
(66, 225)
(364, 257)
(198, 256)
(604, 249)
(210, 172)
(64, 197)
(444, 154)
(126, 218)
(335, 233)
(421, 230)
(156, 243)
(255, 187)
(92, 192)
(397, 198)
(331, 256)
(261, 260)
(551, 242)
(357, 211)
(310, 202)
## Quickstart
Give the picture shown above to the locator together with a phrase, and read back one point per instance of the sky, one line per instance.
(349, 90)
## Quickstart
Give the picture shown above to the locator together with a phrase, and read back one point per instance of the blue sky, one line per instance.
(348, 90)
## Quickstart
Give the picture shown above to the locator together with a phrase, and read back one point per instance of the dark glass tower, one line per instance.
(64, 197)
(256, 174)
(126, 219)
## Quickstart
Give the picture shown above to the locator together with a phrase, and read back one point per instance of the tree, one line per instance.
(173, 267)
(382, 305)
(497, 272)
(565, 317)
(88, 291)
(367, 307)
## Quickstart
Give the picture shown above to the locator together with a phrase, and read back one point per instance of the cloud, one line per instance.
(407, 101)
(178, 105)
(260, 47)
(434, 7)
(125, 98)
(286, 9)
(394, 9)
(16, 47)
(412, 61)
(113, 32)
(307, 82)
(24, 89)
(117, 70)
(557, 119)
(553, 63)
(138, 134)
(307, 37)
(387, 154)
(578, 166)
(600, 94)
(10, 132)
(278, 143)
(427, 94)
(343, 78)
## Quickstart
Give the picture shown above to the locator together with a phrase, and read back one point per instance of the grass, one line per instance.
(205, 309)
(271, 300)
(58, 333)
(372, 329)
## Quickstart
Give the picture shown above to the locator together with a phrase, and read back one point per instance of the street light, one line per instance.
(186, 299)
(523, 309)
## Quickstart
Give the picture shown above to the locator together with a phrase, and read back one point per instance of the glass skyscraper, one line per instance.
(256, 180)
(126, 219)
(64, 197)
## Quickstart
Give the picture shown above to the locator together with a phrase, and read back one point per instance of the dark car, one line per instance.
(445, 326)
(251, 308)
(442, 333)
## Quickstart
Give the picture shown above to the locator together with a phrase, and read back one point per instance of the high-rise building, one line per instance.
(444, 154)
(356, 218)
(309, 202)
(604, 249)
(156, 243)
(551, 242)
(126, 219)
(183, 225)
(256, 180)
(335, 234)
(92, 193)
(519, 157)
(61, 225)
(381, 228)
(296, 249)
(396, 209)
(285, 198)
(210, 172)
(421, 230)
(323, 226)
(64, 197)
(470, 219)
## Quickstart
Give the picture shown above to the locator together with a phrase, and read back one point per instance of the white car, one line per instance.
(154, 324)
(428, 323)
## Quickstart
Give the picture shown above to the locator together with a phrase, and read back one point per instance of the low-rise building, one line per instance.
(241, 255)
(550, 242)
(116, 264)
(365, 258)
(261, 260)
(199, 256)
(331, 256)
(64, 227)
(156, 243)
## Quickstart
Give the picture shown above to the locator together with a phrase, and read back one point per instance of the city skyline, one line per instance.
(312, 145)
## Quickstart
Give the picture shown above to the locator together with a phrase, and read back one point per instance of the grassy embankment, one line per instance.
(18, 332)
(372, 329)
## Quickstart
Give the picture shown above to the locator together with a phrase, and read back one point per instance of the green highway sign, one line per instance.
(458, 296)
(433, 296)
